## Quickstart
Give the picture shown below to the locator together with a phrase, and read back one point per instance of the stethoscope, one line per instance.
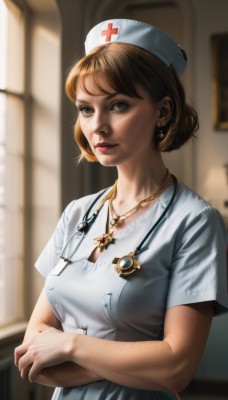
(87, 221)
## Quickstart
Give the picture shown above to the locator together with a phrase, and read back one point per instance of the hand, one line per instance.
(45, 377)
(67, 374)
(45, 349)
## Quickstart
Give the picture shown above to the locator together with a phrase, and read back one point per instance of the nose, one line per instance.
(101, 124)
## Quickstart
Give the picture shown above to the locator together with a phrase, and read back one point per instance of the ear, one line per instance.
(165, 111)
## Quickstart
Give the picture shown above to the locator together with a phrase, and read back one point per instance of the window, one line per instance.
(12, 104)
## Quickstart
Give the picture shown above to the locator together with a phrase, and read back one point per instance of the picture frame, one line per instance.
(219, 49)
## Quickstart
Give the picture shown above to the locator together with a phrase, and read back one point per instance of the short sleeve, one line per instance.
(50, 254)
(199, 269)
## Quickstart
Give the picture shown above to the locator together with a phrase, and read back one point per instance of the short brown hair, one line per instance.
(124, 66)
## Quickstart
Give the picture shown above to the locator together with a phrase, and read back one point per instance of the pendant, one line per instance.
(114, 221)
(103, 241)
(126, 265)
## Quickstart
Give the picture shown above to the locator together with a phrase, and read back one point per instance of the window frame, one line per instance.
(23, 97)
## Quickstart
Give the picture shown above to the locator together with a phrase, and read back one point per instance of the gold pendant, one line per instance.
(114, 221)
(126, 265)
(103, 241)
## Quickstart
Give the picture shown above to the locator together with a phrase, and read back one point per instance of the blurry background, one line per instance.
(39, 41)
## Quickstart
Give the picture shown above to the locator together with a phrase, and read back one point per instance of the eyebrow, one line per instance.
(108, 97)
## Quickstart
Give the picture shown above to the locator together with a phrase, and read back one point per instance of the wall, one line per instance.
(211, 153)
(212, 146)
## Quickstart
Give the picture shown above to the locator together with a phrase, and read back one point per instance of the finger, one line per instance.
(24, 372)
(29, 363)
(34, 372)
(24, 364)
(18, 353)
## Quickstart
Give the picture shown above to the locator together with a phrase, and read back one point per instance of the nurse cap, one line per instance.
(139, 34)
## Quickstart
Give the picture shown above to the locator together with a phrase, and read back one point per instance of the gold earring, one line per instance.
(161, 133)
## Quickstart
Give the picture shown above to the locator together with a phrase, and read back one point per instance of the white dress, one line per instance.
(182, 262)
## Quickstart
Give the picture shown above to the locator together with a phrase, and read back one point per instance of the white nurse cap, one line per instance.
(139, 34)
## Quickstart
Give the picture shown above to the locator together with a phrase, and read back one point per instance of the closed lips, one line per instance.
(105, 145)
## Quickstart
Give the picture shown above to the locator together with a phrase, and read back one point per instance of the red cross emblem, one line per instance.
(109, 32)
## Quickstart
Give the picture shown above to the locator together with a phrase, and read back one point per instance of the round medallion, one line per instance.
(126, 265)
(125, 262)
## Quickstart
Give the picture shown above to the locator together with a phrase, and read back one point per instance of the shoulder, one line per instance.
(189, 203)
(80, 206)
(191, 210)
(189, 197)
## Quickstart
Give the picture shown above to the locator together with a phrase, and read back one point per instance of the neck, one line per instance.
(135, 185)
(143, 202)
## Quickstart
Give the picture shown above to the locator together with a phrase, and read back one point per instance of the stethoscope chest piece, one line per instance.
(82, 226)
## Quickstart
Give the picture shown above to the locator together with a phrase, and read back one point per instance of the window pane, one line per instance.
(11, 162)
(14, 127)
(3, 43)
(10, 289)
(2, 117)
(11, 47)
(11, 152)
(2, 176)
(13, 235)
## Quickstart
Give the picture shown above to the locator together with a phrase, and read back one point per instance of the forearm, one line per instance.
(155, 365)
(42, 318)
(167, 364)
(33, 329)
(145, 365)
(66, 375)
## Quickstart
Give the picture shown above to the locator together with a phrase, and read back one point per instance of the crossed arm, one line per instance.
(54, 358)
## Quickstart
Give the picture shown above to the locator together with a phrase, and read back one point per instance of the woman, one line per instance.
(127, 307)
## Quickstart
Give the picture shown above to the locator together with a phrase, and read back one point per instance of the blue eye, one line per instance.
(119, 106)
(85, 110)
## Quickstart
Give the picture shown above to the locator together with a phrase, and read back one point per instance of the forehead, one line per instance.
(94, 84)
(87, 88)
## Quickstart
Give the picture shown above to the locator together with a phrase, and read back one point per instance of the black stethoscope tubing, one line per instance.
(138, 248)
(84, 226)
(87, 222)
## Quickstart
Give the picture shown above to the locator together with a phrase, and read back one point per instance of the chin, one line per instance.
(107, 164)
(106, 161)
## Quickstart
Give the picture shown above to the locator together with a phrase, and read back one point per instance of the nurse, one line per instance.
(134, 273)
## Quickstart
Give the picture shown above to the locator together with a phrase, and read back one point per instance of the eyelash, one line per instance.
(86, 110)
(83, 109)
(122, 103)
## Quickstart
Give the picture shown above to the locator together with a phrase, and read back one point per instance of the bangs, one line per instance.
(108, 64)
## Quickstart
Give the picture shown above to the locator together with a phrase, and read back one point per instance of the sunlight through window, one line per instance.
(11, 160)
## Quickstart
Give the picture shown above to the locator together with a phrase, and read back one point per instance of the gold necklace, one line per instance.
(117, 217)
(102, 242)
